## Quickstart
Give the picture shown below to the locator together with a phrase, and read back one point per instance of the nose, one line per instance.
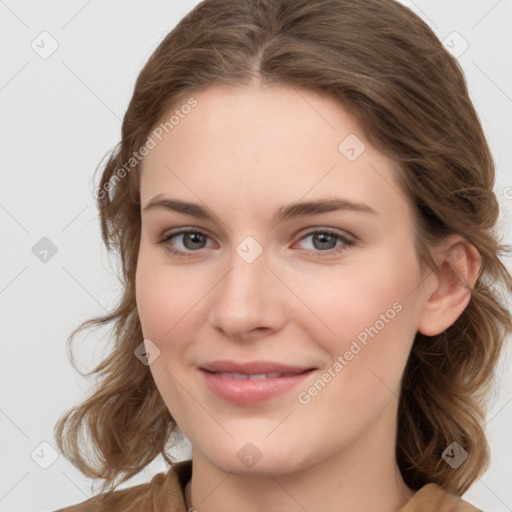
(249, 300)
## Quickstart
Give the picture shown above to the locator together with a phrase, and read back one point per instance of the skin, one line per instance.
(244, 152)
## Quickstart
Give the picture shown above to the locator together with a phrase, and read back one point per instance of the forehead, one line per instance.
(265, 144)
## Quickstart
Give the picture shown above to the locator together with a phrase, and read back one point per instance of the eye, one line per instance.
(325, 241)
(191, 241)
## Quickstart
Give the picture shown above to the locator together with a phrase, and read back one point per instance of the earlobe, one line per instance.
(458, 270)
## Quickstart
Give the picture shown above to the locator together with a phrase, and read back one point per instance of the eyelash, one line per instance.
(346, 242)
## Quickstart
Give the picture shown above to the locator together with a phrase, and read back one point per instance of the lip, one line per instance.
(251, 392)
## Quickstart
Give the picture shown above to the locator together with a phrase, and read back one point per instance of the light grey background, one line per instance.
(59, 117)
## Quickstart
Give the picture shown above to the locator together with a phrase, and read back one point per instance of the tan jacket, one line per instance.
(165, 494)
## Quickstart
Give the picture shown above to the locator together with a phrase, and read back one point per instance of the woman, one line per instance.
(302, 203)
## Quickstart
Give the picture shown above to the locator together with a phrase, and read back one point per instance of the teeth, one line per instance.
(256, 376)
(231, 375)
(239, 376)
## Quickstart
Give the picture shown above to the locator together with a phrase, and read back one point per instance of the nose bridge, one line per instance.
(248, 295)
(246, 282)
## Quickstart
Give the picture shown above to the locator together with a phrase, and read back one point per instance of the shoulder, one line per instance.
(163, 493)
(433, 498)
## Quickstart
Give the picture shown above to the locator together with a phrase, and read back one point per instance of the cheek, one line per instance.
(374, 330)
(351, 299)
(365, 315)
(165, 305)
(164, 296)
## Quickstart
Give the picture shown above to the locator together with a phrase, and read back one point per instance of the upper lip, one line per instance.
(252, 367)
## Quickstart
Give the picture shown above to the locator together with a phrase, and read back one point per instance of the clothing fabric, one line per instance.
(165, 493)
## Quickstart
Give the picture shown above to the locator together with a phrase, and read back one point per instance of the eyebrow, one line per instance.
(285, 212)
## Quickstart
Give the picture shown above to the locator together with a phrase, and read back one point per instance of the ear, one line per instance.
(458, 267)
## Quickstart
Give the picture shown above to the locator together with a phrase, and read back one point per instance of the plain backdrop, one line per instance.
(68, 71)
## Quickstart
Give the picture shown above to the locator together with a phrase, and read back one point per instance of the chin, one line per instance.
(260, 458)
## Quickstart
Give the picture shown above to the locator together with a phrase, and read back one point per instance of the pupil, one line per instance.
(324, 238)
(196, 238)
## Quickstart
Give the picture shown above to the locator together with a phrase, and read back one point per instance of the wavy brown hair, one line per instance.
(387, 67)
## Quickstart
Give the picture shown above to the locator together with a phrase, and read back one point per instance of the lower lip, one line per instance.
(249, 392)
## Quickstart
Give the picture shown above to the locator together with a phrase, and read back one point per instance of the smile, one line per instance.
(250, 389)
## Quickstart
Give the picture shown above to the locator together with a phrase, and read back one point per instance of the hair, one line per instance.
(386, 67)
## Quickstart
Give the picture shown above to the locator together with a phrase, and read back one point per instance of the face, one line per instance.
(328, 294)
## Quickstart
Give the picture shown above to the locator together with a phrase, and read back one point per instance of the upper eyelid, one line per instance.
(184, 231)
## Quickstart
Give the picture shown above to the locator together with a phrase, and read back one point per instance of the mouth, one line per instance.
(245, 389)
(257, 376)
